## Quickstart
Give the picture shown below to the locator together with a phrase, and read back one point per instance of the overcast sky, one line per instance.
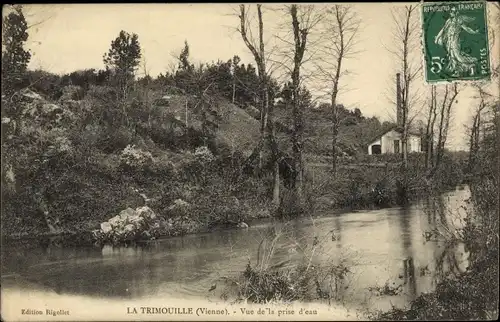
(75, 36)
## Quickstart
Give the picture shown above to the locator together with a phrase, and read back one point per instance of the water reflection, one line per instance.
(337, 232)
(444, 223)
(382, 246)
(406, 231)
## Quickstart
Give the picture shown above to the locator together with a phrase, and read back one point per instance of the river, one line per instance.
(390, 247)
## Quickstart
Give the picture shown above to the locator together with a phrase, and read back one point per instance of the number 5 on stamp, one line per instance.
(455, 40)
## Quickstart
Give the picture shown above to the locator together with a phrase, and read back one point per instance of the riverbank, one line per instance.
(86, 237)
(473, 294)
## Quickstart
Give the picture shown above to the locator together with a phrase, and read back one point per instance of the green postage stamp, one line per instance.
(455, 40)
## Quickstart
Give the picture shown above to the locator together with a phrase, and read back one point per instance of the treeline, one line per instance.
(238, 87)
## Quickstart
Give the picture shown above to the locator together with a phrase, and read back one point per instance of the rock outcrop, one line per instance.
(129, 225)
(143, 223)
(242, 225)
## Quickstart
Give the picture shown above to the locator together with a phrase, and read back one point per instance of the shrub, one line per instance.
(115, 139)
(269, 286)
(204, 155)
(381, 194)
(72, 92)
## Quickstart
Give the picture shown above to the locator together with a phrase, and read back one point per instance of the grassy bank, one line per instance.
(371, 182)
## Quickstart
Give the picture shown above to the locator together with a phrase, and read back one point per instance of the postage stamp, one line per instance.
(455, 40)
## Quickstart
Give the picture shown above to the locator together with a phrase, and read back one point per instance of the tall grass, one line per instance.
(301, 276)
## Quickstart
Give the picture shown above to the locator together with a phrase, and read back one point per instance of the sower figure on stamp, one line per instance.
(449, 37)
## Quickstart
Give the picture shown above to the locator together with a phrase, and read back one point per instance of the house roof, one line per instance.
(392, 128)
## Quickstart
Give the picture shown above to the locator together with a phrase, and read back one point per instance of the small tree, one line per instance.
(184, 63)
(186, 76)
(123, 58)
(449, 99)
(15, 58)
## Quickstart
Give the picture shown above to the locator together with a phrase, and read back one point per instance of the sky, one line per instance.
(69, 37)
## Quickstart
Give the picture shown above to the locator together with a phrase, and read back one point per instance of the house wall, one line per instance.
(387, 143)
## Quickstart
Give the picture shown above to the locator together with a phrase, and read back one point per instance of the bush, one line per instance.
(203, 155)
(115, 139)
(463, 298)
(381, 195)
(72, 92)
(275, 286)
(134, 158)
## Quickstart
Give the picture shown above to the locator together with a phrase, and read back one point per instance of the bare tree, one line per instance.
(341, 27)
(439, 110)
(234, 64)
(304, 19)
(475, 131)
(406, 39)
(266, 111)
(449, 99)
(432, 114)
(146, 90)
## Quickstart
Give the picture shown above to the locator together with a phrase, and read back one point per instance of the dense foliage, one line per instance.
(15, 57)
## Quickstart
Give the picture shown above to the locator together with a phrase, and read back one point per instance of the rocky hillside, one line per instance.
(70, 165)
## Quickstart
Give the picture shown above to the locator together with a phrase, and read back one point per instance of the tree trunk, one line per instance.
(300, 38)
(444, 122)
(404, 138)
(473, 141)
(474, 136)
(429, 132)
(335, 91)
(276, 168)
(297, 139)
(406, 90)
(334, 149)
(234, 89)
(335, 119)
(266, 118)
(269, 131)
(44, 210)
(441, 130)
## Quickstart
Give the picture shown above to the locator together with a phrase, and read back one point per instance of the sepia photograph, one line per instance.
(250, 162)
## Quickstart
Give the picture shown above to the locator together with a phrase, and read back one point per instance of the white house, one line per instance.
(390, 142)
